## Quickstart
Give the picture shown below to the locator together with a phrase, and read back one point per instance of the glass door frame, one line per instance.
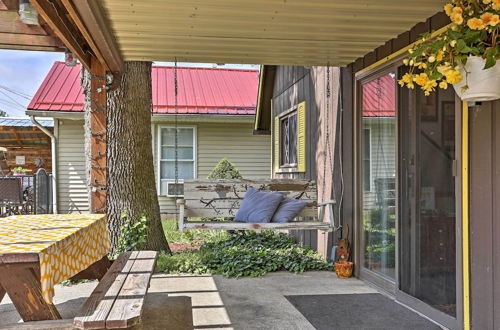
(384, 282)
(392, 286)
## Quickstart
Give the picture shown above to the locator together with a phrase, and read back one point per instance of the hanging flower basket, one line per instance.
(343, 269)
(483, 85)
(465, 55)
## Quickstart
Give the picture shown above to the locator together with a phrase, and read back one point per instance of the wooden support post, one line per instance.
(98, 129)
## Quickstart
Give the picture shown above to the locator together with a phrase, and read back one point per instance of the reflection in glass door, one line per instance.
(378, 175)
(427, 228)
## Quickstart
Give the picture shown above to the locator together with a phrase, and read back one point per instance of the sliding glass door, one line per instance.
(428, 203)
(407, 193)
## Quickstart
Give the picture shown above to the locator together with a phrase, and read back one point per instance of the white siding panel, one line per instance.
(72, 191)
(250, 153)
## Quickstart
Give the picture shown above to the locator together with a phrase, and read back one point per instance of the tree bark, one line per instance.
(131, 178)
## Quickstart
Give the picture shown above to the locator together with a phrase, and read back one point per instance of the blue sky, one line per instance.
(24, 71)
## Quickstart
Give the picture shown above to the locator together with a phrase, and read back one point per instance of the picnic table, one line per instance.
(40, 251)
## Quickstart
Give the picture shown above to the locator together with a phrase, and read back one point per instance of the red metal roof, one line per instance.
(379, 97)
(201, 90)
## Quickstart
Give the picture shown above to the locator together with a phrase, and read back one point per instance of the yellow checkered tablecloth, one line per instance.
(66, 243)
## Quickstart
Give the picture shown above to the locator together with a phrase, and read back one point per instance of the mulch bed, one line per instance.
(181, 247)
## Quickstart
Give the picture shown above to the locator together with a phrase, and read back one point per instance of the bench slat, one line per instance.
(96, 308)
(241, 185)
(127, 308)
(230, 225)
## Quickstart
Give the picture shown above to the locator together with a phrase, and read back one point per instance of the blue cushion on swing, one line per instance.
(288, 209)
(258, 206)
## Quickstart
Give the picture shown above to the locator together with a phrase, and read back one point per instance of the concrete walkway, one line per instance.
(222, 303)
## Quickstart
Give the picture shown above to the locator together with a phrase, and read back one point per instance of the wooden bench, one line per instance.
(118, 299)
(222, 198)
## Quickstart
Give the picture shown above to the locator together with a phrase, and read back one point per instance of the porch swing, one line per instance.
(220, 198)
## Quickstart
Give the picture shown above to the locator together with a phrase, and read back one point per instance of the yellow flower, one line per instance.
(431, 59)
(407, 77)
(443, 84)
(458, 11)
(476, 24)
(495, 19)
(448, 9)
(489, 19)
(453, 76)
(439, 56)
(429, 86)
(443, 68)
(406, 61)
(427, 93)
(410, 85)
(422, 65)
(421, 79)
(486, 1)
(453, 43)
(496, 4)
(457, 18)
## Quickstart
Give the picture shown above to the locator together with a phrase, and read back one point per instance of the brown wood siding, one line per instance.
(343, 174)
(292, 85)
(404, 39)
(485, 215)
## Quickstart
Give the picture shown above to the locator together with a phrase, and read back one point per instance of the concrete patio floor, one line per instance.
(222, 303)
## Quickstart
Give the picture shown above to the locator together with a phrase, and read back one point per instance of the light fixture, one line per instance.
(27, 13)
(69, 58)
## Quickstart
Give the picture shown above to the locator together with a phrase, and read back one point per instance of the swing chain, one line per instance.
(176, 137)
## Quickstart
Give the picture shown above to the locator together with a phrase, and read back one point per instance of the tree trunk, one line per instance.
(131, 178)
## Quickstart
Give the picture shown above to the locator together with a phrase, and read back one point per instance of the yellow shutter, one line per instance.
(301, 137)
(276, 144)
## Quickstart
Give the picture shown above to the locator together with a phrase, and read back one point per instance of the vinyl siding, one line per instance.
(72, 192)
(250, 153)
(382, 154)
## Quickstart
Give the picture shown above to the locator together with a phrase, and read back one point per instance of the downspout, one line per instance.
(53, 141)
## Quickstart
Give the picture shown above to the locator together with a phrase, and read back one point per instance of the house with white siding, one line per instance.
(215, 111)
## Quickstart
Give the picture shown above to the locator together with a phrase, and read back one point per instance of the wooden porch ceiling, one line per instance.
(289, 32)
(14, 34)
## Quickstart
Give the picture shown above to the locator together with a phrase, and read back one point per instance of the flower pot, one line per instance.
(484, 85)
(343, 269)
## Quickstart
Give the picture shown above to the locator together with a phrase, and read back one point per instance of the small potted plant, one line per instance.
(466, 55)
(18, 171)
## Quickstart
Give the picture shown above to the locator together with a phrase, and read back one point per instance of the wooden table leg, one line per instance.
(96, 271)
(22, 283)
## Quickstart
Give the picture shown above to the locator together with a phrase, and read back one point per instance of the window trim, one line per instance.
(159, 160)
(293, 111)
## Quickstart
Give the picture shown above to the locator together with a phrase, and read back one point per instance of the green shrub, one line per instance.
(132, 234)
(245, 253)
(225, 170)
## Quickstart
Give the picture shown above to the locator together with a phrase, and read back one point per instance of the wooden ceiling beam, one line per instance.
(9, 5)
(29, 42)
(53, 13)
(14, 34)
(90, 19)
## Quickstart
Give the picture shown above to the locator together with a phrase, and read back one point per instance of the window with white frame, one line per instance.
(186, 156)
(288, 145)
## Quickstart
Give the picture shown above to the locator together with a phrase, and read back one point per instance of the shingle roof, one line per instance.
(25, 122)
(201, 90)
